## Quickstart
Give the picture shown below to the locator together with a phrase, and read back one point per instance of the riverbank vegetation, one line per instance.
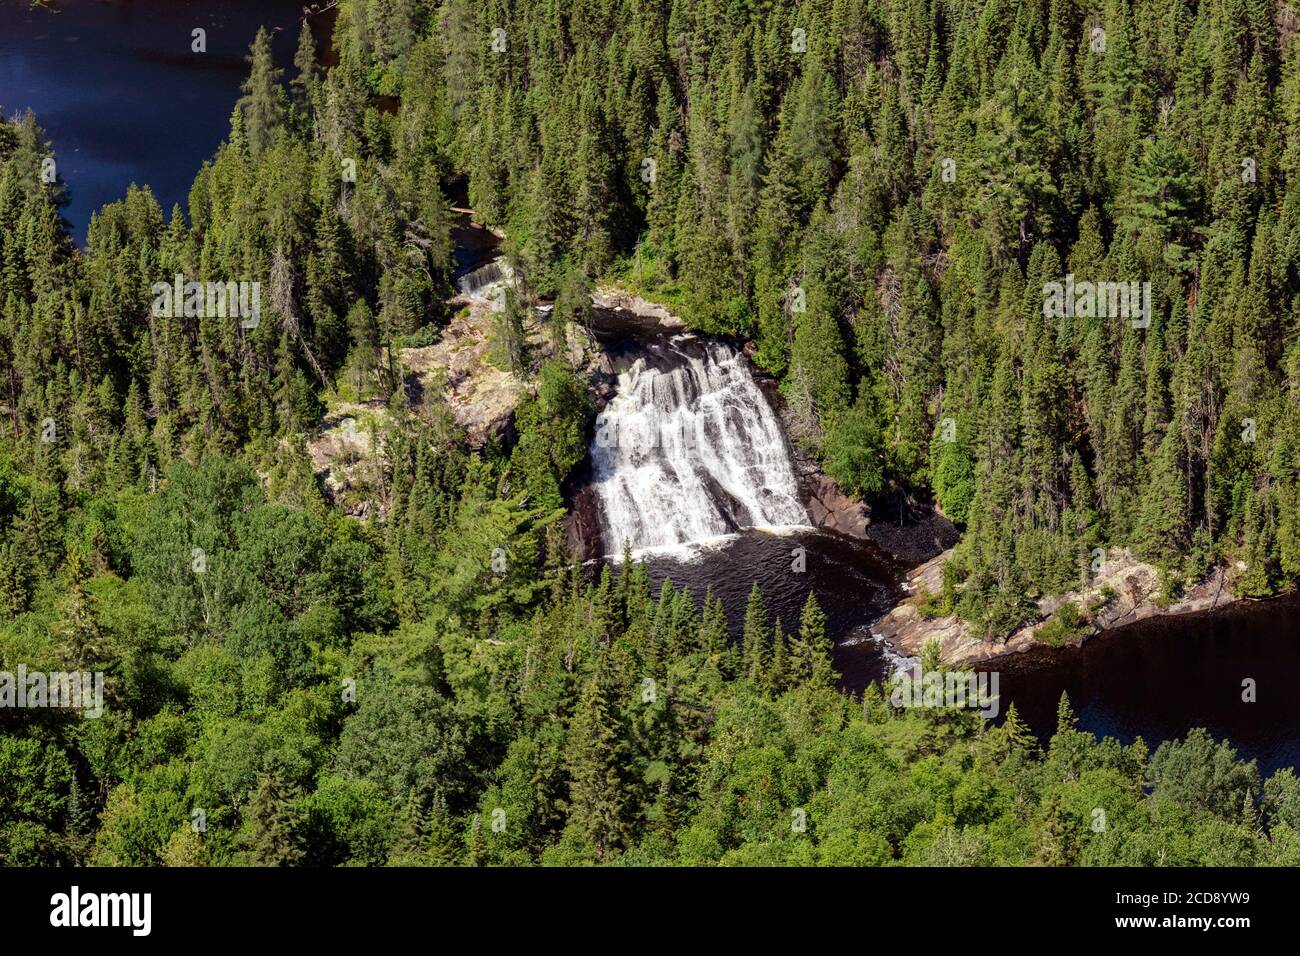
(285, 685)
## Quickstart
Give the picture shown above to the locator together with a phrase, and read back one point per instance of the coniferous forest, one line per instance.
(873, 194)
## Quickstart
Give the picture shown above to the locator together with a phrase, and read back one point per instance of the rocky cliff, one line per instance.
(457, 372)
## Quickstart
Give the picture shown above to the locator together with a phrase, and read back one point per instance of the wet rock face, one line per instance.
(582, 524)
(830, 508)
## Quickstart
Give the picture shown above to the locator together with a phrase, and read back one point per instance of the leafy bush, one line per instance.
(1066, 625)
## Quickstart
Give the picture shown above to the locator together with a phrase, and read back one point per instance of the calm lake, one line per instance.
(120, 93)
(1161, 677)
(123, 98)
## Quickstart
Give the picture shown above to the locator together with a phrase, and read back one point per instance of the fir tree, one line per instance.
(598, 787)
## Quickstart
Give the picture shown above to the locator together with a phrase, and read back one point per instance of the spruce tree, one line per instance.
(262, 105)
(271, 828)
(598, 785)
(755, 635)
(810, 655)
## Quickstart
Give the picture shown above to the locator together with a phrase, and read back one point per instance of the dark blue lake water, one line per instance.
(121, 94)
(1161, 677)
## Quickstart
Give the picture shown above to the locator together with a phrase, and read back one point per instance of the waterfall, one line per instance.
(482, 283)
(689, 449)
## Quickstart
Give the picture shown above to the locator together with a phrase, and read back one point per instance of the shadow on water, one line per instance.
(1163, 676)
(474, 245)
(851, 580)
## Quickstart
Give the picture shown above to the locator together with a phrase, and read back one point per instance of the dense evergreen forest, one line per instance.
(873, 193)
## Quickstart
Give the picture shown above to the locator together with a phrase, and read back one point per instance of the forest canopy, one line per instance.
(876, 195)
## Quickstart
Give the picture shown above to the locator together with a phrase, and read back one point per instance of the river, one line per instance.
(1161, 677)
(1155, 679)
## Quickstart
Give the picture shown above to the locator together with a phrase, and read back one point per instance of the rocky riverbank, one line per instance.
(1123, 591)
(457, 373)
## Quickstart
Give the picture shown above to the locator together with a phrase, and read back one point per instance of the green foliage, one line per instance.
(553, 429)
(1065, 625)
(854, 450)
(339, 692)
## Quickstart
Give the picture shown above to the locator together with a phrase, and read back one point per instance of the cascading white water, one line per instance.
(483, 282)
(689, 449)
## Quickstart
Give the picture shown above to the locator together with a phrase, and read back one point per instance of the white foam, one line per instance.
(688, 454)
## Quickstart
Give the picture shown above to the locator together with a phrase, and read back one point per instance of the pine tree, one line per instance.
(1016, 733)
(1065, 718)
(810, 656)
(598, 786)
(84, 643)
(262, 105)
(304, 61)
(271, 826)
(1057, 836)
(755, 635)
(713, 628)
(363, 331)
(777, 677)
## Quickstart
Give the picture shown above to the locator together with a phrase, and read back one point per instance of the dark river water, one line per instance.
(851, 580)
(1155, 679)
(124, 99)
(1161, 677)
(120, 93)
